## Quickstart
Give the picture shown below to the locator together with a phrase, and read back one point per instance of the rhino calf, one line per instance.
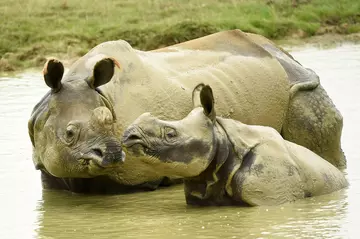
(226, 162)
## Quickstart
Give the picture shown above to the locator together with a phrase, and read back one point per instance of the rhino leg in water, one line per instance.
(314, 122)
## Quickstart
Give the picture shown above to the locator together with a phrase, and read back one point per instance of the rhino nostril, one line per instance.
(133, 137)
(98, 152)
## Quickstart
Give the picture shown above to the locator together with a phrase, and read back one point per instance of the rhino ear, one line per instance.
(207, 102)
(103, 72)
(53, 72)
(196, 95)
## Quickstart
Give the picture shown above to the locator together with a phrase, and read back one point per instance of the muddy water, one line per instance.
(26, 211)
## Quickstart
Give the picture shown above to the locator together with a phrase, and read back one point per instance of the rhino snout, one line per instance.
(108, 156)
(131, 137)
(113, 154)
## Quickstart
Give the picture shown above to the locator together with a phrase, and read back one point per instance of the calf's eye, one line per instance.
(69, 133)
(170, 133)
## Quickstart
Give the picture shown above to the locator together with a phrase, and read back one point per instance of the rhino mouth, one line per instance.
(134, 137)
(95, 158)
(133, 142)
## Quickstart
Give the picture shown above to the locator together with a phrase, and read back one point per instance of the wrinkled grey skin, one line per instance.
(258, 82)
(225, 162)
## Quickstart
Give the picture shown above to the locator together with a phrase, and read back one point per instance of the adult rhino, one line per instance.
(76, 128)
(226, 162)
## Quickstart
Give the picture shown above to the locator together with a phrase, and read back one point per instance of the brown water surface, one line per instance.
(26, 211)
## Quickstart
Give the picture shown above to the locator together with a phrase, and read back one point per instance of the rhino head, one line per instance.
(182, 148)
(72, 127)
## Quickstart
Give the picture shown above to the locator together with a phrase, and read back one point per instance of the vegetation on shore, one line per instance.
(33, 30)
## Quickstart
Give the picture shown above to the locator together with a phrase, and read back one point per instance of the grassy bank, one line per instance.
(32, 30)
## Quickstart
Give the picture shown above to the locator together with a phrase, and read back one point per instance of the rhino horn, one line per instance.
(101, 118)
(103, 72)
(53, 72)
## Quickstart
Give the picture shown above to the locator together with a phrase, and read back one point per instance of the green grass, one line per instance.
(32, 30)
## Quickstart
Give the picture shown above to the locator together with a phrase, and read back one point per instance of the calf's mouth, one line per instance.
(132, 136)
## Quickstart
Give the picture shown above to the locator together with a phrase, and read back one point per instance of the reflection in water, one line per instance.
(339, 71)
(19, 182)
(163, 214)
(27, 211)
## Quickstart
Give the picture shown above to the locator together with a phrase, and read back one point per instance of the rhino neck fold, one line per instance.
(209, 187)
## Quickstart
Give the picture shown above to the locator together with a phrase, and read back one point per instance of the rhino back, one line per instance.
(278, 171)
(249, 84)
(298, 75)
(319, 176)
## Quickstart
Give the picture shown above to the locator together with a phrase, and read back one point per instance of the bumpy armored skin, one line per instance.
(226, 162)
(76, 128)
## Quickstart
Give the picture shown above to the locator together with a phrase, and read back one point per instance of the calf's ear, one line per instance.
(103, 72)
(202, 96)
(196, 95)
(207, 102)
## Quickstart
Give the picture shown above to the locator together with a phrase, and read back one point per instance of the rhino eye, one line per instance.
(71, 134)
(170, 133)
